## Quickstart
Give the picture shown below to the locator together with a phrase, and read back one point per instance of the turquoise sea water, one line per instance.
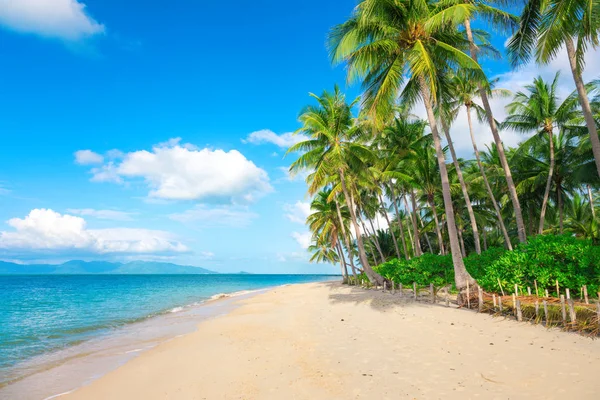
(41, 314)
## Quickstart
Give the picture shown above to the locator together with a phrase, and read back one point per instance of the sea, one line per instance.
(58, 332)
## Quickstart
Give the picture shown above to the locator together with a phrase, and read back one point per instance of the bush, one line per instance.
(545, 258)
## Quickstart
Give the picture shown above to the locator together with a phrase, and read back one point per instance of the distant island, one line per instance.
(76, 267)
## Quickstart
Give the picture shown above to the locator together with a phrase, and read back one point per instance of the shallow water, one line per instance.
(58, 332)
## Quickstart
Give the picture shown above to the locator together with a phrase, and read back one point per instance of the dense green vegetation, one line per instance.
(544, 259)
(391, 191)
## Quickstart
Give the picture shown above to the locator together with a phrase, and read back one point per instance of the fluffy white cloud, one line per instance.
(236, 216)
(303, 238)
(45, 230)
(297, 212)
(515, 81)
(86, 157)
(102, 214)
(174, 171)
(284, 140)
(63, 19)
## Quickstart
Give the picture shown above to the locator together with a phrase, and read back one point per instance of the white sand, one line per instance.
(325, 341)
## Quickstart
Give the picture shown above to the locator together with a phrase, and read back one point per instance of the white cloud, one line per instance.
(47, 231)
(515, 81)
(303, 238)
(207, 255)
(62, 19)
(86, 157)
(174, 171)
(284, 140)
(297, 212)
(112, 215)
(237, 216)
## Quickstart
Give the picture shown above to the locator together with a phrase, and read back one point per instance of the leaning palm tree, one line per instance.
(539, 110)
(385, 41)
(547, 26)
(332, 149)
(463, 91)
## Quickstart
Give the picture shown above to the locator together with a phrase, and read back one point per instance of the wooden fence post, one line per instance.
(480, 296)
(415, 290)
(468, 295)
(514, 297)
(528, 291)
(568, 293)
(547, 295)
(536, 288)
(537, 311)
(572, 313)
(585, 295)
(546, 311)
(519, 312)
(432, 293)
(494, 300)
(564, 310)
(500, 303)
(516, 289)
(557, 289)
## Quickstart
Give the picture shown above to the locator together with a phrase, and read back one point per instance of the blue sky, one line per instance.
(141, 130)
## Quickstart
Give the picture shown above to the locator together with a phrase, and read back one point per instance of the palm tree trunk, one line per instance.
(461, 276)
(400, 227)
(372, 245)
(418, 250)
(462, 242)
(343, 265)
(589, 192)
(463, 187)
(346, 238)
(425, 234)
(437, 228)
(487, 183)
(373, 276)
(410, 235)
(385, 215)
(585, 103)
(376, 240)
(548, 184)
(500, 147)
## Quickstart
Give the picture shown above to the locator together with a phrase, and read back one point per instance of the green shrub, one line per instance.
(545, 258)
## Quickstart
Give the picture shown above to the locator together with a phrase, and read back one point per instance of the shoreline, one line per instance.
(110, 353)
(330, 341)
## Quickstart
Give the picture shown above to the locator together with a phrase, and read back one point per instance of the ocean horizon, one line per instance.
(48, 319)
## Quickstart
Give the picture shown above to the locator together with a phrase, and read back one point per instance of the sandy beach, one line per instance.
(328, 341)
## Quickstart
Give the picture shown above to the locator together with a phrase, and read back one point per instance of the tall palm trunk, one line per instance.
(376, 240)
(438, 231)
(372, 244)
(418, 251)
(385, 215)
(410, 235)
(585, 103)
(462, 243)
(461, 276)
(500, 147)
(425, 234)
(343, 265)
(548, 183)
(373, 276)
(346, 237)
(487, 183)
(589, 192)
(400, 227)
(463, 187)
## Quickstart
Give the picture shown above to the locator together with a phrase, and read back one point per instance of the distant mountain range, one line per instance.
(101, 267)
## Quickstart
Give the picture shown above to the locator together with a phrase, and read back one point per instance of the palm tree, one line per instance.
(539, 110)
(546, 26)
(463, 92)
(332, 150)
(385, 41)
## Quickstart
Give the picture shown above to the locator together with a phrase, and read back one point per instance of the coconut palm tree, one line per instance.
(538, 109)
(547, 26)
(332, 150)
(383, 42)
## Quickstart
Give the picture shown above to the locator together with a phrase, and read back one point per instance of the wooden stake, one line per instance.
(415, 289)
(572, 313)
(557, 289)
(516, 289)
(480, 296)
(499, 284)
(514, 303)
(519, 312)
(546, 312)
(468, 295)
(537, 310)
(494, 299)
(500, 303)
(528, 291)
(585, 295)
(568, 293)
(536, 288)
(432, 292)
(564, 310)
(547, 295)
